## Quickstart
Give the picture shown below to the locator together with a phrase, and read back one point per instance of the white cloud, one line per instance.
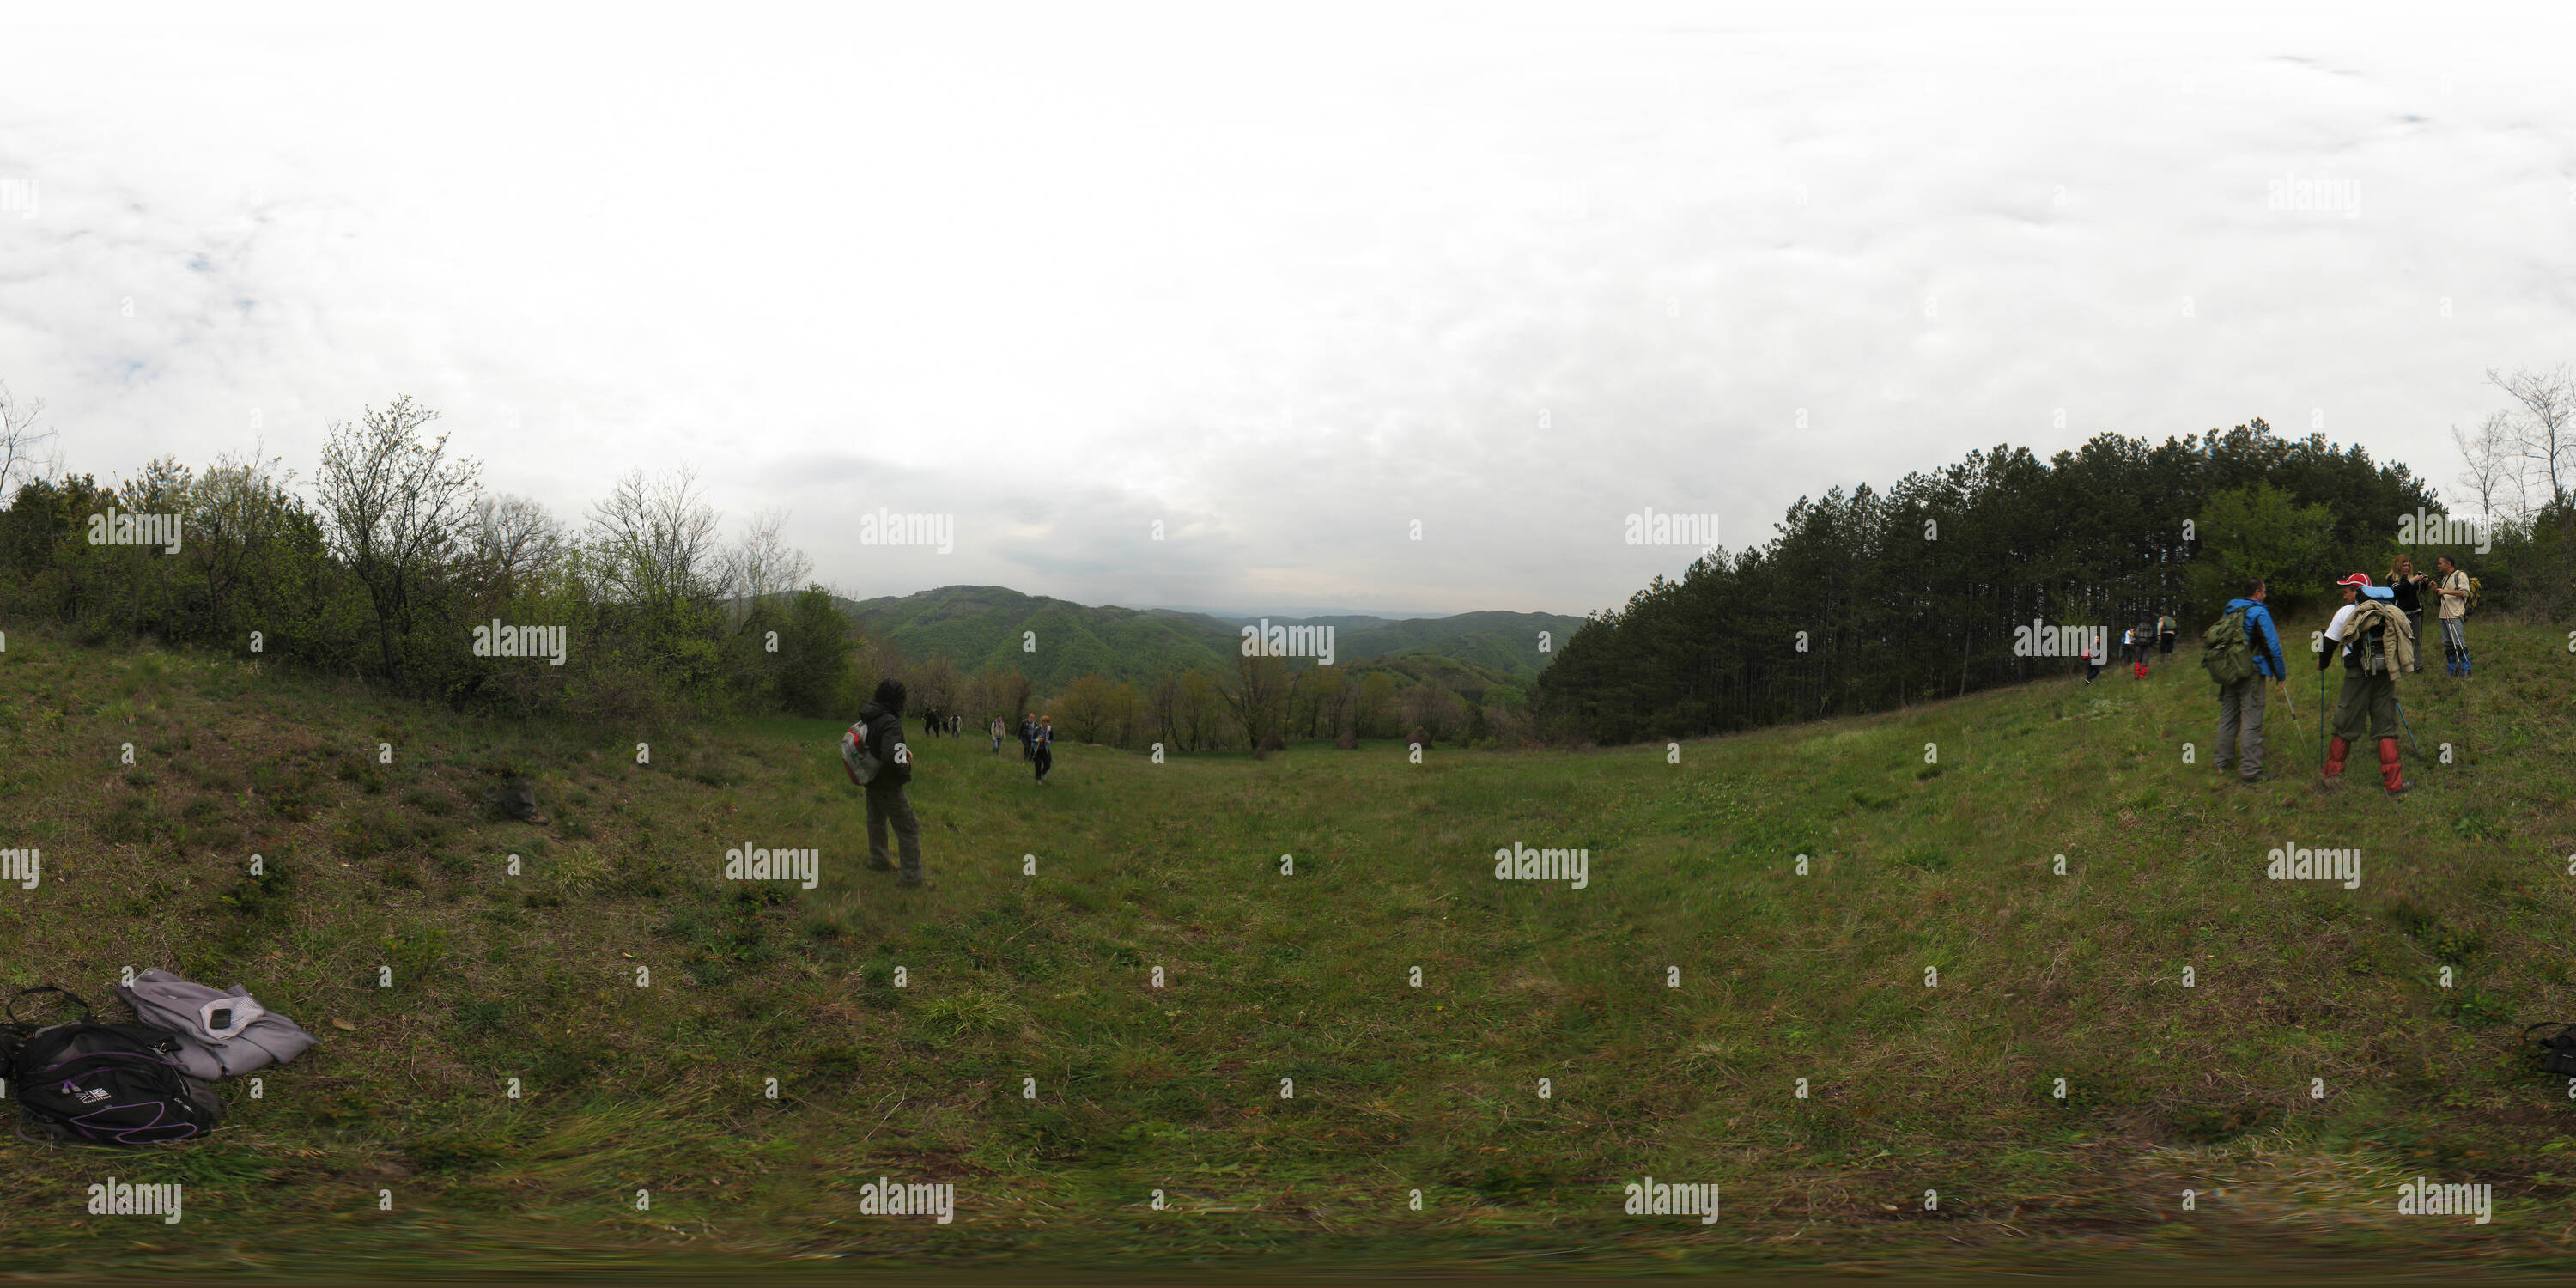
(1287, 285)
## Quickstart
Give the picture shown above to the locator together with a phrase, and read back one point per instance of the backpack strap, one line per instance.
(10, 1009)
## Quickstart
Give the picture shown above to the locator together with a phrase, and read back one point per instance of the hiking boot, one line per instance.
(2251, 779)
(2392, 772)
(2332, 774)
(876, 864)
(914, 883)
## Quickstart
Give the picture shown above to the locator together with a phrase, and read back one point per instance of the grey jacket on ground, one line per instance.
(164, 1000)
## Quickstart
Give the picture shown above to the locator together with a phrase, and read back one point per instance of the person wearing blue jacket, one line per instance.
(2240, 705)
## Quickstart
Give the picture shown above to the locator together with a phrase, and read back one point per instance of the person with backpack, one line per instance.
(997, 735)
(2094, 658)
(2167, 631)
(881, 762)
(2145, 633)
(2375, 648)
(2241, 652)
(2454, 590)
(1043, 743)
(2409, 587)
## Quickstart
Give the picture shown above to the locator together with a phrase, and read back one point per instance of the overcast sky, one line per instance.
(1287, 284)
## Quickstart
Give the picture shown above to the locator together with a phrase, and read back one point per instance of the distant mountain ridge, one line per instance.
(980, 626)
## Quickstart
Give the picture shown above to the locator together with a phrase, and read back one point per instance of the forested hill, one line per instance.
(1867, 600)
(980, 626)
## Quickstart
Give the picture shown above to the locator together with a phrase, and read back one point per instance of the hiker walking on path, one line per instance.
(2374, 646)
(2454, 590)
(882, 718)
(2410, 588)
(2244, 653)
(1043, 741)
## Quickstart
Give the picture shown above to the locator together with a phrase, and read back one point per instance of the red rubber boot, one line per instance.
(2392, 774)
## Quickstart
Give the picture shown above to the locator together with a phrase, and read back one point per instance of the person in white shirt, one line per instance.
(2367, 704)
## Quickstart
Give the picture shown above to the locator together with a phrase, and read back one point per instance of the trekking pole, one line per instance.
(2410, 729)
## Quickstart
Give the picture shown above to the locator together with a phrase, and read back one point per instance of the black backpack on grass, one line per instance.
(2557, 1052)
(106, 1084)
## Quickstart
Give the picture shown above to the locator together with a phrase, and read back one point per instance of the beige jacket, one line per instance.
(2456, 605)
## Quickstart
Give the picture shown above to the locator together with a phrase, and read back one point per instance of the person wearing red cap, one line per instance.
(2368, 701)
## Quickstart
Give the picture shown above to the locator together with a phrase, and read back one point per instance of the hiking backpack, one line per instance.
(2227, 651)
(858, 758)
(108, 1084)
(2477, 587)
(2557, 1052)
(2385, 640)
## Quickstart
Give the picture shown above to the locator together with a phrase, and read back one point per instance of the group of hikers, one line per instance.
(1037, 742)
(2373, 633)
(879, 732)
(2138, 644)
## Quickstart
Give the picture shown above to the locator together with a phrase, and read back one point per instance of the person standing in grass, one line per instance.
(2093, 654)
(2454, 590)
(2240, 705)
(2368, 702)
(1042, 745)
(887, 802)
(2167, 630)
(2410, 586)
(997, 735)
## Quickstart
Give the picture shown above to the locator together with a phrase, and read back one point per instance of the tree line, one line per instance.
(396, 558)
(1869, 600)
(400, 555)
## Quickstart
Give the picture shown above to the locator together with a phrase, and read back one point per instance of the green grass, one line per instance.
(1009, 977)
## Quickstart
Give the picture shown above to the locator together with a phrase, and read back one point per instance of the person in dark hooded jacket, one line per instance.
(887, 803)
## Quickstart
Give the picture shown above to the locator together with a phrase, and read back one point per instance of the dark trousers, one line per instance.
(2367, 706)
(1046, 760)
(2240, 726)
(890, 805)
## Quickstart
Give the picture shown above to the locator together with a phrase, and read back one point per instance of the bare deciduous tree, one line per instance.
(19, 441)
(2548, 433)
(2495, 467)
(657, 539)
(762, 564)
(936, 686)
(396, 508)
(1258, 697)
(515, 541)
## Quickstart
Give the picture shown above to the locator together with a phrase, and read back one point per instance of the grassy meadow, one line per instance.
(1673, 1004)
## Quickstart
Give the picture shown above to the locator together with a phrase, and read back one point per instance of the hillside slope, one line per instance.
(978, 626)
(1288, 1086)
